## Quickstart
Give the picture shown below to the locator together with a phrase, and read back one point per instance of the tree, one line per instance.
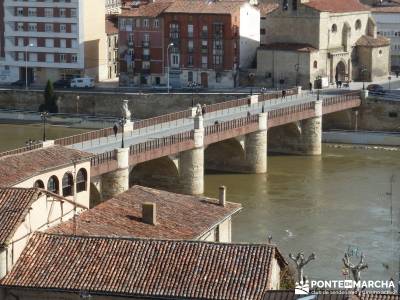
(50, 99)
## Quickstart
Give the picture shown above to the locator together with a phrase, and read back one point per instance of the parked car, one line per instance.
(84, 82)
(62, 83)
(19, 83)
(376, 88)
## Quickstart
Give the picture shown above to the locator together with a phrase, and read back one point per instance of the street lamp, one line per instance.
(122, 122)
(263, 91)
(26, 64)
(297, 67)
(193, 85)
(363, 71)
(319, 83)
(44, 116)
(390, 78)
(77, 104)
(169, 46)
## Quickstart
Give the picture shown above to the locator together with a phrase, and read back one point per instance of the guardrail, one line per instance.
(161, 142)
(228, 125)
(102, 158)
(276, 113)
(83, 137)
(340, 99)
(162, 119)
(21, 150)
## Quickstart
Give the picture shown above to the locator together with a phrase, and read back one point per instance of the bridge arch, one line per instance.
(162, 173)
(283, 138)
(225, 156)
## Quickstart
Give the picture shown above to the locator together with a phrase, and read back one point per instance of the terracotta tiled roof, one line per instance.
(19, 167)
(330, 295)
(289, 47)
(15, 204)
(368, 41)
(150, 10)
(204, 7)
(336, 6)
(178, 216)
(144, 268)
(266, 8)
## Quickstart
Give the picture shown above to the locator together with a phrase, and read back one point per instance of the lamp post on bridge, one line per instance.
(389, 78)
(319, 83)
(122, 122)
(363, 71)
(44, 116)
(263, 91)
(168, 63)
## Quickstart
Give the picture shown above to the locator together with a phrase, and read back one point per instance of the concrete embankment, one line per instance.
(91, 103)
(364, 138)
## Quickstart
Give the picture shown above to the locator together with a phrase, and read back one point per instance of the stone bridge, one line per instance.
(173, 151)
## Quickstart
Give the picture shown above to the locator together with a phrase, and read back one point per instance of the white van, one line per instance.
(85, 82)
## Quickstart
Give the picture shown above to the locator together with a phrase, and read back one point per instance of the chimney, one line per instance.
(149, 214)
(222, 195)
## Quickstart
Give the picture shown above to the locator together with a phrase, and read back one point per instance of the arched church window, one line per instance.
(39, 184)
(52, 185)
(334, 28)
(67, 184)
(358, 24)
(315, 64)
(81, 181)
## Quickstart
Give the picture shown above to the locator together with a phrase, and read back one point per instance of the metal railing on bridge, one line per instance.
(161, 142)
(228, 125)
(102, 158)
(83, 137)
(279, 112)
(21, 150)
(341, 98)
(162, 119)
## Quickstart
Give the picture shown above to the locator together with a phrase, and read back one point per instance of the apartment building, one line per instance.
(112, 46)
(52, 39)
(194, 41)
(141, 45)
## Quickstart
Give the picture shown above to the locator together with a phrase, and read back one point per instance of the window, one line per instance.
(53, 185)
(38, 184)
(334, 28)
(190, 60)
(145, 23)
(49, 43)
(63, 13)
(48, 12)
(358, 24)
(218, 77)
(294, 4)
(67, 185)
(32, 27)
(32, 12)
(190, 46)
(63, 27)
(81, 181)
(190, 30)
(20, 11)
(63, 58)
(204, 61)
(174, 30)
(156, 23)
(48, 27)
(73, 12)
(49, 57)
(262, 31)
(63, 43)
(20, 26)
(33, 57)
(315, 65)
(74, 58)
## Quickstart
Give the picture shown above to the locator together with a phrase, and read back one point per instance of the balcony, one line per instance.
(145, 57)
(204, 50)
(204, 66)
(204, 35)
(190, 50)
(145, 71)
(145, 44)
(218, 36)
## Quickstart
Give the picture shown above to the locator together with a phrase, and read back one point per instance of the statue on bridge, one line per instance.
(198, 110)
(300, 263)
(125, 112)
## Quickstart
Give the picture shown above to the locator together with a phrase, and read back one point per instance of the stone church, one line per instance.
(304, 41)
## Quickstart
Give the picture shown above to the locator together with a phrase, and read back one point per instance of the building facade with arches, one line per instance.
(59, 170)
(334, 40)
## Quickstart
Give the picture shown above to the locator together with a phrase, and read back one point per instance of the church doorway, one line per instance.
(340, 72)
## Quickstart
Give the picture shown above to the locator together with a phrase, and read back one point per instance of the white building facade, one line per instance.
(52, 40)
(388, 25)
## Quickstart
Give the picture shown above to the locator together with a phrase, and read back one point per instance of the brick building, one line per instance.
(141, 45)
(206, 43)
(112, 46)
(52, 39)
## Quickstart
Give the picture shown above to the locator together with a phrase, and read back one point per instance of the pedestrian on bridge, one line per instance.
(115, 129)
(311, 90)
(283, 94)
(203, 110)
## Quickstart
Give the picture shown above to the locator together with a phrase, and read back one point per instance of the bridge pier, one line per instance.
(311, 133)
(256, 147)
(116, 182)
(191, 163)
